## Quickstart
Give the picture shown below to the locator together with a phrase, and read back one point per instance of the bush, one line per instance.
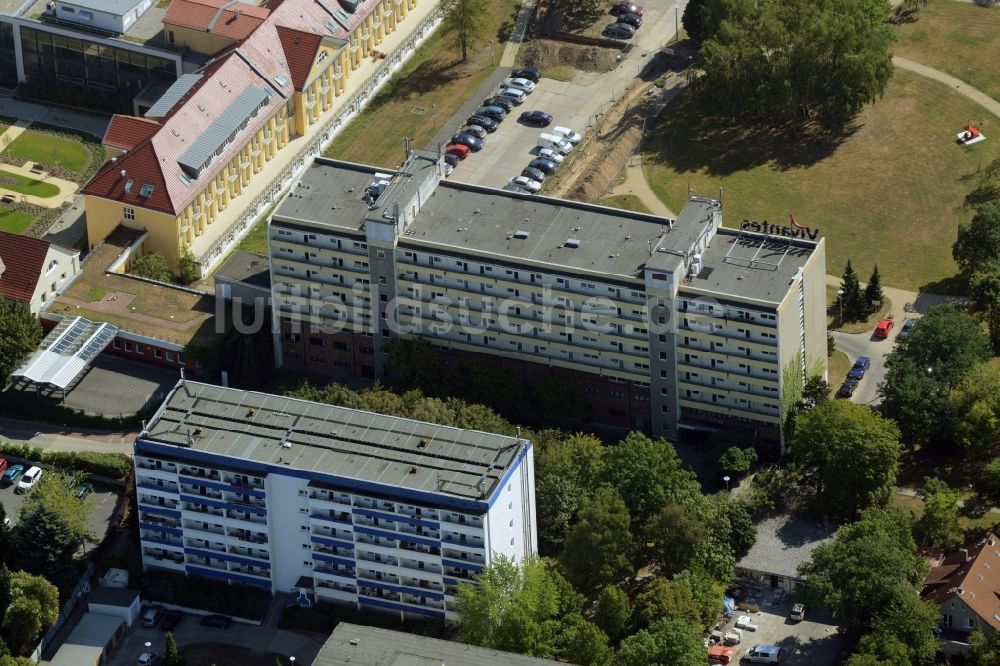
(245, 601)
(111, 465)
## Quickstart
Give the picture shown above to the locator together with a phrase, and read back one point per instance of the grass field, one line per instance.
(18, 183)
(49, 149)
(914, 505)
(959, 38)
(833, 314)
(14, 221)
(837, 366)
(889, 192)
(626, 201)
(433, 76)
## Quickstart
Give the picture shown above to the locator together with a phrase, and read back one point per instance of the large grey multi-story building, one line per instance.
(661, 324)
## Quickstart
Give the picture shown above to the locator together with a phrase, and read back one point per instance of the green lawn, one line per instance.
(433, 76)
(22, 185)
(49, 149)
(833, 322)
(960, 38)
(626, 201)
(256, 239)
(890, 192)
(14, 221)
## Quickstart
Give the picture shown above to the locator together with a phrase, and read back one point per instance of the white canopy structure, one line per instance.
(66, 352)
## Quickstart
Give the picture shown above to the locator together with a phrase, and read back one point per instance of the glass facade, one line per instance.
(85, 73)
(8, 60)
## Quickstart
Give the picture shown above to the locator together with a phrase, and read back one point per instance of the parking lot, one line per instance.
(811, 642)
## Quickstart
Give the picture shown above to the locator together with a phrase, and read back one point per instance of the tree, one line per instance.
(556, 401)
(666, 643)
(649, 474)
(665, 599)
(784, 59)
(57, 491)
(153, 266)
(22, 623)
(983, 651)
(599, 546)
(873, 291)
(613, 612)
(706, 592)
(977, 247)
(172, 655)
(465, 20)
(990, 479)
(6, 548)
(45, 545)
(731, 522)
(905, 635)
(691, 20)
(5, 594)
(974, 406)
(675, 535)
(580, 642)
(23, 584)
(566, 469)
(937, 526)
(850, 453)
(816, 391)
(21, 335)
(852, 301)
(190, 268)
(737, 461)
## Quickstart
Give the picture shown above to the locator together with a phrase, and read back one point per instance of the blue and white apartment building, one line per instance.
(328, 503)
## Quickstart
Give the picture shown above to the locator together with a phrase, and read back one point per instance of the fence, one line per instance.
(353, 106)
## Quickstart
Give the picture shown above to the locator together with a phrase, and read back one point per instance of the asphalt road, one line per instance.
(866, 344)
(102, 507)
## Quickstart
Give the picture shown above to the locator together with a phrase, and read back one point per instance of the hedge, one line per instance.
(111, 465)
(245, 601)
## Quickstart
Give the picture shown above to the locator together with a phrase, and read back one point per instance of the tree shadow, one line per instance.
(688, 141)
(427, 77)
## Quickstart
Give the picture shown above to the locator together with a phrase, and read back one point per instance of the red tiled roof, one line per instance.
(300, 52)
(971, 575)
(142, 168)
(235, 20)
(23, 260)
(126, 132)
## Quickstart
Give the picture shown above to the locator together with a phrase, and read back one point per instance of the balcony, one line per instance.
(377, 576)
(161, 539)
(246, 535)
(246, 517)
(203, 527)
(172, 523)
(202, 509)
(249, 571)
(255, 553)
(197, 473)
(241, 481)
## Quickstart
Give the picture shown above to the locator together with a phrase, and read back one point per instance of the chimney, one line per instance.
(124, 173)
(965, 554)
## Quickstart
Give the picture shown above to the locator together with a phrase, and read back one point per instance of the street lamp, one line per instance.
(726, 479)
(292, 659)
(492, 51)
(840, 300)
(677, 28)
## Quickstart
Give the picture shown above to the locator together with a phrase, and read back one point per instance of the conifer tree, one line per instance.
(873, 291)
(852, 300)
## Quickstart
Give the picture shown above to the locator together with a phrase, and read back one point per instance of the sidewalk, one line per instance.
(961, 87)
(57, 438)
(94, 125)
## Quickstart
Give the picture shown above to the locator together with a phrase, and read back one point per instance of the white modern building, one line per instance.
(328, 503)
(112, 15)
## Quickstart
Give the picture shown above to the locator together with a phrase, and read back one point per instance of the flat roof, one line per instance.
(336, 441)
(66, 352)
(87, 641)
(112, 596)
(116, 7)
(783, 543)
(370, 646)
(246, 267)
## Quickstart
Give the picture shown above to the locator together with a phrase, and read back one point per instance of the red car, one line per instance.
(458, 150)
(883, 328)
(627, 8)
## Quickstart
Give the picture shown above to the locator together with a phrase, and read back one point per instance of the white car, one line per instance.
(29, 480)
(526, 183)
(552, 155)
(148, 658)
(514, 93)
(521, 84)
(798, 613)
(567, 134)
(744, 622)
(763, 654)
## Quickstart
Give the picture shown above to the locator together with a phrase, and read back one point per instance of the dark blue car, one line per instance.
(465, 139)
(859, 368)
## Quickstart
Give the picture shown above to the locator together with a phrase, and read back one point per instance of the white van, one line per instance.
(764, 654)
(568, 134)
(554, 142)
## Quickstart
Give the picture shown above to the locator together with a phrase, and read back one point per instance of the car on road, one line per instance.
(551, 155)
(533, 74)
(763, 654)
(631, 19)
(148, 658)
(520, 84)
(217, 621)
(627, 8)
(619, 31)
(473, 142)
(171, 619)
(848, 388)
(533, 173)
(798, 613)
(505, 103)
(547, 167)
(151, 616)
(883, 328)
(12, 474)
(474, 130)
(513, 93)
(457, 150)
(567, 134)
(905, 329)
(494, 112)
(485, 122)
(29, 480)
(526, 183)
(859, 368)
(539, 118)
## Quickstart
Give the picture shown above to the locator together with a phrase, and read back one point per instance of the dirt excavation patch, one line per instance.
(544, 53)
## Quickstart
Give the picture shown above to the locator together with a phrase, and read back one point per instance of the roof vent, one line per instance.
(572, 242)
(286, 445)
(413, 470)
(124, 173)
(282, 81)
(520, 233)
(423, 443)
(355, 641)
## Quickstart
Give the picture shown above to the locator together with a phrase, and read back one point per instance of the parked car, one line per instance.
(451, 160)
(763, 654)
(533, 74)
(627, 8)
(448, 168)
(494, 112)
(474, 130)
(83, 489)
(539, 118)
(12, 474)
(848, 388)
(513, 93)
(619, 31)
(526, 183)
(547, 167)
(473, 142)
(7, 522)
(505, 103)
(148, 658)
(551, 155)
(217, 621)
(458, 151)
(171, 619)
(3, 465)
(485, 122)
(798, 612)
(511, 187)
(567, 134)
(883, 328)
(521, 84)
(151, 615)
(29, 480)
(533, 173)
(905, 329)
(859, 368)
(633, 20)
(746, 623)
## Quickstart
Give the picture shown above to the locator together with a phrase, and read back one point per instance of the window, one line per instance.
(128, 213)
(170, 356)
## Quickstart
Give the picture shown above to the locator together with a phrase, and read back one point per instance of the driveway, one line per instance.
(98, 521)
(865, 344)
(812, 642)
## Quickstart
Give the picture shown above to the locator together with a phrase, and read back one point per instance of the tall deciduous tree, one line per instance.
(937, 526)
(706, 592)
(22, 623)
(983, 651)
(566, 469)
(975, 409)
(613, 613)
(691, 20)
(56, 491)
(675, 536)
(666, 599)
(465, 20)
(666, 643)
(850, 453)
(977, 253)
(599, 546)
(21, 335)
(581, 642)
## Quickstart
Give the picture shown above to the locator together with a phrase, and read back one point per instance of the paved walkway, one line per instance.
(67, 189)
(94, 125)
(56, 438)
(961, 87)
(517, 35)
(635, 183)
